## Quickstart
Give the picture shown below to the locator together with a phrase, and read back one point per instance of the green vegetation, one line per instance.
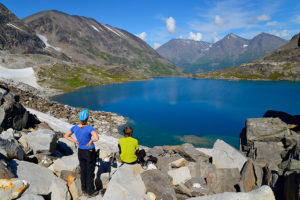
(143, 62)
(68, 78)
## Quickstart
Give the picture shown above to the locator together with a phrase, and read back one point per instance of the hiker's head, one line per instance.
(128, 131)
(83, 116)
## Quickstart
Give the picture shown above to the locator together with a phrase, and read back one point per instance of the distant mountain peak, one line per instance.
(232, 50)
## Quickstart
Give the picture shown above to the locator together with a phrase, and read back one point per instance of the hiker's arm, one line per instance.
(95, 138)
(68, 137)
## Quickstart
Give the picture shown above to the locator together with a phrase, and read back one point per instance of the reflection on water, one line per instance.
(170, 110)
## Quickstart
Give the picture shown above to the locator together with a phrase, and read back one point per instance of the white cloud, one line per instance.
(272, 23)
(263, 18)
(170, 24)
(296, 19)
(156, 45)
(195, 36)
(219, 21)
(214, 36)
(283, 33)
(142, 35)
(238, 17)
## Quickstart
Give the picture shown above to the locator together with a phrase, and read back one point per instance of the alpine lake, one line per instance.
(172, 111)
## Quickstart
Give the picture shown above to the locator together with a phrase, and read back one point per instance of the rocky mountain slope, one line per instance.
(15, 36)
(86, 41)
(230, 51)
(182, 52)
(281, 64)
(67, 52)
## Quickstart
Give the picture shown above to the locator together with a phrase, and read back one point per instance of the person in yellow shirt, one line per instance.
(129, 148)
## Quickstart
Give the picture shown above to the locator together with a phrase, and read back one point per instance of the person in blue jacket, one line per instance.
(85, 136)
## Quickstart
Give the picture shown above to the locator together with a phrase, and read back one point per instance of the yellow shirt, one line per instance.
(128, 147)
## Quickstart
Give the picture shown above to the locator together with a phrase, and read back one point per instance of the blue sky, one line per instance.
(158, 21)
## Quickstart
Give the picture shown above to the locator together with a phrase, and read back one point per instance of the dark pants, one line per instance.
(140, 157)
(87, 162)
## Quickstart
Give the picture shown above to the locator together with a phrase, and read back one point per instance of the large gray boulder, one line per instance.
(68, 163)
(190, 153)
(180, 175)
(13, 114)
(223, 180)
(12, 149)
(126, 184)
(58, 192)
(201, 169)
(226, 156)
(31, 197)
(268, 152)
(12, 189)
(263, 193)
(42, 141)
(158, 183)
(39, 178)
(265, 130)
(163, 162)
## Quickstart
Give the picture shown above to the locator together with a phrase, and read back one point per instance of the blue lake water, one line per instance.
(170, 111)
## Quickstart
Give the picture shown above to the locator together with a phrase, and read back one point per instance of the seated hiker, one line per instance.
(129, 148)
(85, 138)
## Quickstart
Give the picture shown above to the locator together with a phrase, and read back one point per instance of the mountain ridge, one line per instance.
(282, 64)
(232, 50)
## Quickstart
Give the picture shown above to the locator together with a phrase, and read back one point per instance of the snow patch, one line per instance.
(210, 46)
(245, 45)
(232, 35)
(60, 125)
(45, 40)
(112, 30)
(14, 26)
(121, 33)
(25, 75)
(95, 28)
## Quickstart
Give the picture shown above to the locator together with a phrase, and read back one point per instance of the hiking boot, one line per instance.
(93, 194)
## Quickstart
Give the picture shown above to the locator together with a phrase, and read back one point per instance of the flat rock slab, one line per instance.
(208, 152)
(39, 178)
(190, 153)
(269, 152)
(223, 180)
(226, 156)
(263, 193)
(180, 175)
(126, 184)
(266, 130)
(68, 163)
(158, 183)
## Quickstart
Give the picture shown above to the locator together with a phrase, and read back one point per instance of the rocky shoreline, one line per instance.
(105, 122)
(36, 162)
